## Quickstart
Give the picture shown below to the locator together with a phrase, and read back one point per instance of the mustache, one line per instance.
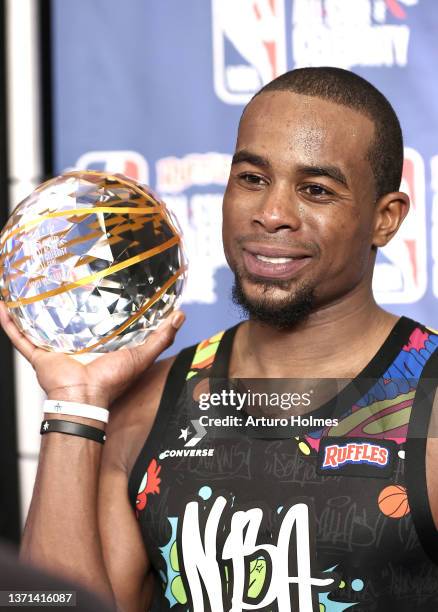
(269, 239)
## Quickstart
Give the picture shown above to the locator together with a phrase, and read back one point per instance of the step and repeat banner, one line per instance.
(155, 90)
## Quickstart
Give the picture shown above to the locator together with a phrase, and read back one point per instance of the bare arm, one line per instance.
(62, 532)
(125, 557)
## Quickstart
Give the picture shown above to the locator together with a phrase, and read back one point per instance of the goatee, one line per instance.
(280, 315)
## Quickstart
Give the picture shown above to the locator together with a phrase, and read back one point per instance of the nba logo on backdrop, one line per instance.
(249, 39)
(249, 46)
(129, 163)
(400, 275)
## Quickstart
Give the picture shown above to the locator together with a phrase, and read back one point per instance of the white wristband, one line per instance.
(75, 409)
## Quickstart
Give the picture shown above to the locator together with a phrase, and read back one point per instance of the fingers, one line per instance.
(158, 341)
(21, 343)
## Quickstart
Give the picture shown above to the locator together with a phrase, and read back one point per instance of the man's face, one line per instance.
(299, 205)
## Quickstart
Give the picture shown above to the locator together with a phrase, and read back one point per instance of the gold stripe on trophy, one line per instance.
(132, 225)
(79, 240)
(80, 212)
(101, 274)
(157, 295)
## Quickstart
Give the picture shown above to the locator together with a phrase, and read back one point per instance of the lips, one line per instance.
(273, 262)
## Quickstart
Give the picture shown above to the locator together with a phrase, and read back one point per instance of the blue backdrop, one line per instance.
(156, 89)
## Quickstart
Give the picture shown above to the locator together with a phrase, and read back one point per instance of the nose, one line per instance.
(278, 210)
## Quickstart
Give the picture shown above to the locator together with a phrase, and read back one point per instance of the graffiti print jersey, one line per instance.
(310, 519)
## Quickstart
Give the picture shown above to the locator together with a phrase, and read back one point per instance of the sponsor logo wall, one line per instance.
(162, 105)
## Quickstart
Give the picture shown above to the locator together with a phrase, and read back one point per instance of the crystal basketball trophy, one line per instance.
(90, 262)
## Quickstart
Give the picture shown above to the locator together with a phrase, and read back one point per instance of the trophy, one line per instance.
(90, 262)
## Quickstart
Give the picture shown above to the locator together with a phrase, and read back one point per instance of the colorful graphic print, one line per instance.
(149, 485)
(388, 403)
(204, 355)
(384, 411)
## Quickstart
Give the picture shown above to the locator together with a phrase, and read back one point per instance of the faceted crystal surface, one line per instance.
(90, 262)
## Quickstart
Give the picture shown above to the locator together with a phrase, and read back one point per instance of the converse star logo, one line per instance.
(184, 433)
(46, 426)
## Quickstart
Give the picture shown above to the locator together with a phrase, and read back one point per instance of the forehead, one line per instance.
(289, 127)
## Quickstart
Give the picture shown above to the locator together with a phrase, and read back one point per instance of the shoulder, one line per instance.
(419, 344)
(417, 328)
(422, 345)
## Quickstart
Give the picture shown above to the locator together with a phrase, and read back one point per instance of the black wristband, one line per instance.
(73, 429)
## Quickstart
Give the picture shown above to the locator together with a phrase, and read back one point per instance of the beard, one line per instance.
(280, 314)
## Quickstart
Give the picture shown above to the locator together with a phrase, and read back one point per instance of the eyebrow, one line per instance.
(250, 158)
(332, 172)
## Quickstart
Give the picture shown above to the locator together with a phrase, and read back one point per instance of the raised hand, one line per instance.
(102, 380)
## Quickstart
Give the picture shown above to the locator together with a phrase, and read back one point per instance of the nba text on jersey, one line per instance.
(241, 545)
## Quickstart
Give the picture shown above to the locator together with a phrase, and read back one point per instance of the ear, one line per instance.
(391, 209)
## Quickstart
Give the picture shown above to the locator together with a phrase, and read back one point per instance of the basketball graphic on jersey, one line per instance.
(393, 501)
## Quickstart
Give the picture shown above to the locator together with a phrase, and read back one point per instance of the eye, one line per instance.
(316, 190)
(253, 180)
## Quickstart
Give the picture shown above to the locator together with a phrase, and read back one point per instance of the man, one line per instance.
(341, 512)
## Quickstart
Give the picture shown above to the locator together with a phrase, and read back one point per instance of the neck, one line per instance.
(335, 341)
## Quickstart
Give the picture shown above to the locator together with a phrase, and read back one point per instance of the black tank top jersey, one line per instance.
(317, 520)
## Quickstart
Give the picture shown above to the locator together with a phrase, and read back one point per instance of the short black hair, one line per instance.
(349, 89)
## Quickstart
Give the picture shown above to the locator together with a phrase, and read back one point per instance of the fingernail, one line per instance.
(178, 319)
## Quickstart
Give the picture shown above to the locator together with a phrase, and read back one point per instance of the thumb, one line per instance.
(157, 341)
